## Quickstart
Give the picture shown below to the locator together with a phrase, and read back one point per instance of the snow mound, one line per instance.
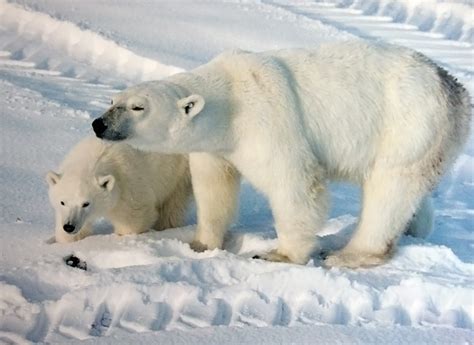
(83, 45)
(451, 19)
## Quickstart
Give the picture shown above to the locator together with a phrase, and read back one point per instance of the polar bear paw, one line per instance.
(198, 246)
(355, 259)
(273, 256)
(277, 256)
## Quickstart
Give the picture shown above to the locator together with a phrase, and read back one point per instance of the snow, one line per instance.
(451, 19)
(61, 60)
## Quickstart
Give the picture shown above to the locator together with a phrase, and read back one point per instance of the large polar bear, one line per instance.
(381, 116)
(134, 190)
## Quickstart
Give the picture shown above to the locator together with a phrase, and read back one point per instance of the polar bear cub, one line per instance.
(381, 116)
(134, 190)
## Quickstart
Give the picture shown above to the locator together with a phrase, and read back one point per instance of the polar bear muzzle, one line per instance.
(99, 127)
(113, 125)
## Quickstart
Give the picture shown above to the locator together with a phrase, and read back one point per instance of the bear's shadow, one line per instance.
(251, 244)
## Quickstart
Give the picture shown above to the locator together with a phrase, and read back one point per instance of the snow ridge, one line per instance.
(83, 45)
(370, 20)
(451, 19)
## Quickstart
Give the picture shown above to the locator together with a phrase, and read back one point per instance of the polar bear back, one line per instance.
(354, 102)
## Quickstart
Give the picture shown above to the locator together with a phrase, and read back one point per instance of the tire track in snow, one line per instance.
(185, 290)
(451, 19)
(454, 55)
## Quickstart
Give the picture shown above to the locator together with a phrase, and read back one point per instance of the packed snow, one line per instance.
(60, 62)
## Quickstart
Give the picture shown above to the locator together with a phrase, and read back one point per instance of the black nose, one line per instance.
(99, 127)
(69, 228)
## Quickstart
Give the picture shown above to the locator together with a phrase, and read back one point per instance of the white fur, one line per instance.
(381, 116)
(134, 190)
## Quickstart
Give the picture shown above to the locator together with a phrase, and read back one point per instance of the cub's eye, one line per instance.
(137, 108)
(85, 204)
(62, 203)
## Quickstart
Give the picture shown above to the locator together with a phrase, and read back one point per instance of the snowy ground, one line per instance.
(60, 60)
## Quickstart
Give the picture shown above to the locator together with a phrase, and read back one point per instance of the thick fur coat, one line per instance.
(381, 116)
(136, 191)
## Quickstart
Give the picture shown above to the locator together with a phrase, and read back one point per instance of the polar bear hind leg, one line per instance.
(390, 199)
(413, 155)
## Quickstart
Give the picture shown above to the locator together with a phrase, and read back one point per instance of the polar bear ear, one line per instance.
(192, 105)
(52, 178)
(107, 182)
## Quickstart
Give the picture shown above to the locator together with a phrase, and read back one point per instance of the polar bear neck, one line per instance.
(204, 81)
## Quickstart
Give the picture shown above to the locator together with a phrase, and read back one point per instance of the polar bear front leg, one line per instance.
(300, 209)
(216, 186)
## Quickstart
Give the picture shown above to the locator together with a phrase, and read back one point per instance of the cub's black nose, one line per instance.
(69, 228)
(99, 127)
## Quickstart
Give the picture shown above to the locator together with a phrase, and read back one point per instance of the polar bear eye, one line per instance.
(62, 203)
(137, 108)
(85, 204)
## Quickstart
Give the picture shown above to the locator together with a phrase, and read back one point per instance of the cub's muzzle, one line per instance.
(69, 228)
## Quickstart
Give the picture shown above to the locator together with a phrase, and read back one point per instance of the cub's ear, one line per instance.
(107, 182)
(191, 106)
(52, 178)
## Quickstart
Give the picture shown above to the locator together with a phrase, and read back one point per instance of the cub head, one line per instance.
(78, 203)
(156, 116)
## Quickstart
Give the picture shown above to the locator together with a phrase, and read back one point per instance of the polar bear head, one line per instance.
(78, 201)
(157, 116)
